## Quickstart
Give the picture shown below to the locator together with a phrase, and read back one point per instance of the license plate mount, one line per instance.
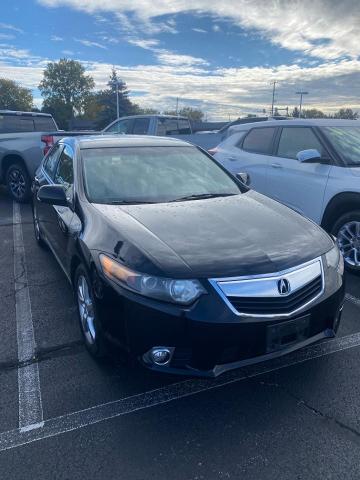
(285, 334)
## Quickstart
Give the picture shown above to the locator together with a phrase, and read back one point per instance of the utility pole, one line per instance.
(273, 98)
(177, 105)
(116, 84)
(117, 100)
(301, 93)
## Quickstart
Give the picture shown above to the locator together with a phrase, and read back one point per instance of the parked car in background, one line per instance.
(313, 166)
(163, 126)
(178, 262)
(24, 139)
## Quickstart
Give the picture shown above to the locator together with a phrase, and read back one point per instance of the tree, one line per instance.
(346, 113)
(14, 97)
(313, 113)
(145, 111)
(61, 111)
(192, 113)
(106, 99)
(65, 86)
(295, 113)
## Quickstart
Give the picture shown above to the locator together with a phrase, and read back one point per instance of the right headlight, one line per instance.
(183, 292)
(335, 260)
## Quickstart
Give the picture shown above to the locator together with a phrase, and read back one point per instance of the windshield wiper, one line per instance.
(200, 196)
(127, 202)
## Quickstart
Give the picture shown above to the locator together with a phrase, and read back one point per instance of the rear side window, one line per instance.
(184, 126)
(121, 127)
(16, 123)
(172, 126)
(294, 139)
(259, 140)
(141, 126)
(43, 124)
(50, 161)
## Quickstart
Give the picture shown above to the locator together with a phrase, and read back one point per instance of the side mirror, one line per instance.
(244, 178)
(311, 155)
(53, 195)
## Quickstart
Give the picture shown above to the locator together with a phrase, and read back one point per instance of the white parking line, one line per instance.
(90, 416)
(30, 404)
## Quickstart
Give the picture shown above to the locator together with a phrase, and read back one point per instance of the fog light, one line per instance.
(160, 355)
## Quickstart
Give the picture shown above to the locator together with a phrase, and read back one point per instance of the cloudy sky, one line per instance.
(218, 55)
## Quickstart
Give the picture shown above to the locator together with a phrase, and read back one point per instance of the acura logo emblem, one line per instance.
(283, 286)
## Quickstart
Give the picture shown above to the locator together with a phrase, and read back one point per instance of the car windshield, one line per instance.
(346, 140)
(152, 174)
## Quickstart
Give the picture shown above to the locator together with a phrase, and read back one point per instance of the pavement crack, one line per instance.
(45, 353)
(332, 421)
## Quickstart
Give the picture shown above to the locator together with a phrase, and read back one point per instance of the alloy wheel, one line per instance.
(86, 310)
(17, 183)
(348, 239)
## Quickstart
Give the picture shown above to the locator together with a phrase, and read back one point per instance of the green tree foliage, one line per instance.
(65, 88)
(313, 113)
(346, 113)
(106, 100)
(191, 113)
(14, 97)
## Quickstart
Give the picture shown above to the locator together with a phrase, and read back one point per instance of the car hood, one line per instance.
(226, 236)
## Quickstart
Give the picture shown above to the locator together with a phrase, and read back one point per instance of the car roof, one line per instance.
(312, 122)
(25, 114)
(113, 141)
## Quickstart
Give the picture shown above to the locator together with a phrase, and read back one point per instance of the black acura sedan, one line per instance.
(177, 262)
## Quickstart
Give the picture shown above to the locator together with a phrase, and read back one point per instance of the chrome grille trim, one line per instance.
(265, 286)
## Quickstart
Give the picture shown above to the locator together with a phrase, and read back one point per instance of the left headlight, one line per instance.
(183, 292)
(335, 260)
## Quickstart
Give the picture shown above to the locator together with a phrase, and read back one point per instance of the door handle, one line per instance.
(276, 165)
(233, 159)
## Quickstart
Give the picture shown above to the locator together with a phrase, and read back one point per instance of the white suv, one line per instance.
(313, 166)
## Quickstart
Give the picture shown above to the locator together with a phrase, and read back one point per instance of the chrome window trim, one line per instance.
(271, 276)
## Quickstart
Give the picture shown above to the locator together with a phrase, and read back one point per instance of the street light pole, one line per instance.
(117, 100)
(301, 93)
(273, 99)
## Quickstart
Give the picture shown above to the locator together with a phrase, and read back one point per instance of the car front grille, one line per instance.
(262, 295)
(278, 305)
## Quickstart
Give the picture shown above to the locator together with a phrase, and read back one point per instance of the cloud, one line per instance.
(6, 36)
(147, 44)
(169, 58)
(220, 92)
(164, 56)
(55, 38)
(68, 53)
(199, 30)
(326, 29)
(89, 43)
(7, 26)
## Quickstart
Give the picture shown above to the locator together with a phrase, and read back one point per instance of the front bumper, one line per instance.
(208, 339)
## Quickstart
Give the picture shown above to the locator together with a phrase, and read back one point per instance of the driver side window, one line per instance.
(65, 171)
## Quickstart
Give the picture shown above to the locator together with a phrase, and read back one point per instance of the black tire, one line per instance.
(37, 230)
(350, 218)
(18, 182)
(94, 340)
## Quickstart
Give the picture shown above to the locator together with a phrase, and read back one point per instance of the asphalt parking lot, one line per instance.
(63, 416)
